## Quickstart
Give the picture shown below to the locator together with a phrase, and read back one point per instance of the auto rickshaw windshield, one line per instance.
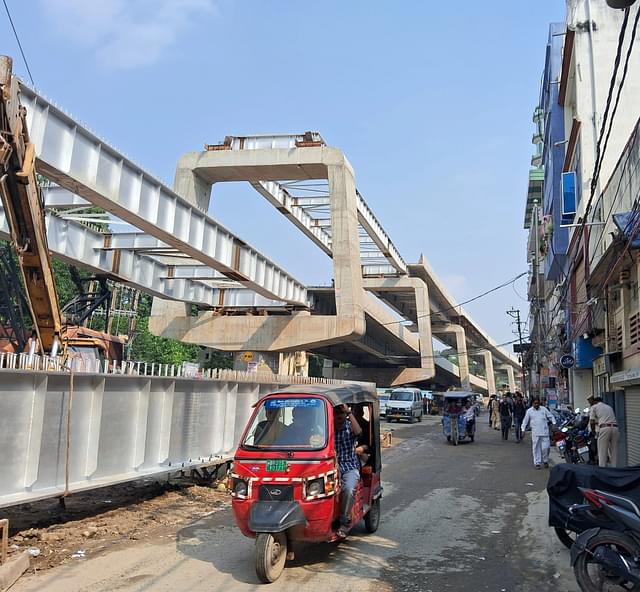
(288, 422)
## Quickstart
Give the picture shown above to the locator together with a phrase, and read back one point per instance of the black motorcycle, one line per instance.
(608, 558)
(563, 488)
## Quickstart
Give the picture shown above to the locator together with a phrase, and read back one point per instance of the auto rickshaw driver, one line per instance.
(269, 429)
(347, 429)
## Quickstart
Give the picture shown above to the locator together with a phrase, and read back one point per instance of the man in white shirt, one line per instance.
(538, 418)
(603, 420)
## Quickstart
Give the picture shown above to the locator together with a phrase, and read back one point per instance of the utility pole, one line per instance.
(514, 313)
(538, 297)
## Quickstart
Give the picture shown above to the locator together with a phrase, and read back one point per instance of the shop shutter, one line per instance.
(632, 411)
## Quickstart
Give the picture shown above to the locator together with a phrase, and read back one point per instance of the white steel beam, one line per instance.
(80, 245)
(76, 159)
(279, 197)
(291, 207)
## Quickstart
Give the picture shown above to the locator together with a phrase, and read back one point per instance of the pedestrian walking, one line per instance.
(490, 407)
(538, 418)
(494, 412)
(603, 421)
(506, 416)
(519, 411)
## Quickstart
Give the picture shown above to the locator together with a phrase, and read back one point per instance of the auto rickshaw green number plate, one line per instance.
(277, 465)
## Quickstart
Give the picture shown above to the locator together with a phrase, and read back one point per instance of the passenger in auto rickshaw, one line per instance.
(454, 407)
(347, 429)
(364, 439)
(470, 411)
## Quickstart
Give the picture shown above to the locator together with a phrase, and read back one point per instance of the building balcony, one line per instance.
(538, 115)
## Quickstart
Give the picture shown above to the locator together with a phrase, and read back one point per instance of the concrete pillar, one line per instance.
(423, 310)
(461, 348)
(511, 378)
(188, 184)
(345, 243)
(463, 358)
(491, 377)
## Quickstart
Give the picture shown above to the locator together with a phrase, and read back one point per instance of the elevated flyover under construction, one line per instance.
(378, 315)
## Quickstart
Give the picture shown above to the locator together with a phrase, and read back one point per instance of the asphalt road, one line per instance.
(466, 518)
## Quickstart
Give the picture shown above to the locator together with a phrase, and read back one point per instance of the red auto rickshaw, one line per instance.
(285, 482)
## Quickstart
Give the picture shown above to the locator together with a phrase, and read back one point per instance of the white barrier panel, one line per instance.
(122, 426)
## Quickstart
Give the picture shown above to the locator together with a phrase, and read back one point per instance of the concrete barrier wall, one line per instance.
(122, 427)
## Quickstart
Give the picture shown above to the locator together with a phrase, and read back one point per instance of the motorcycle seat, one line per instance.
(623, 502)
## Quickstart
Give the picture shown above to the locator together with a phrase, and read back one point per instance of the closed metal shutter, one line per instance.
(632, 411)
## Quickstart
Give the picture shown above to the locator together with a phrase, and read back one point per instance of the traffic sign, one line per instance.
(247, 356)
(567, 361)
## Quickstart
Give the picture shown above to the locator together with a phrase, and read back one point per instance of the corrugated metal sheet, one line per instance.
(632, 410)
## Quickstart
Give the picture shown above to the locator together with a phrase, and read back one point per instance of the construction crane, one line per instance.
(24, 208)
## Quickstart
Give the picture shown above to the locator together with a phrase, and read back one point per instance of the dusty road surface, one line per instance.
(465, 518)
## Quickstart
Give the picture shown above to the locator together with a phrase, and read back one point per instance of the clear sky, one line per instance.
(430, 101)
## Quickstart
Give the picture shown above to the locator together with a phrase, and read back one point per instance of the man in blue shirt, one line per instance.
(347, 429)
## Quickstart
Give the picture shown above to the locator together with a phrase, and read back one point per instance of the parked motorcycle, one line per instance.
(608, 558)
(563, 488)
(574, 441)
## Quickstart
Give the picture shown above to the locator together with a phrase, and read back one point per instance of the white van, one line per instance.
(405, 403)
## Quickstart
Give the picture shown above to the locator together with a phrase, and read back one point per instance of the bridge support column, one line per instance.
(510, 376)
(491, 377)
(461, 348)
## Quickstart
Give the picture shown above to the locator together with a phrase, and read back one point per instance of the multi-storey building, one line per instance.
(584, 296)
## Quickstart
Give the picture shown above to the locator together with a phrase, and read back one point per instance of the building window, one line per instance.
(569, 197)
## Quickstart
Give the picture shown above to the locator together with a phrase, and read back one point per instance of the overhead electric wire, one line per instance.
(468, 352)
(424, 316)
(600, 148)
(26, 63)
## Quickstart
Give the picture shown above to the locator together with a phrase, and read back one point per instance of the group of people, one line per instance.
(508, 410)
(511, 410)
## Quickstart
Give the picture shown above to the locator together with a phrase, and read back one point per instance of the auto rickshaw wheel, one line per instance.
(372, 517)
(271, 554)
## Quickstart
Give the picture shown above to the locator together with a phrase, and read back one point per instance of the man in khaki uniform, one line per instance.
(603, 420)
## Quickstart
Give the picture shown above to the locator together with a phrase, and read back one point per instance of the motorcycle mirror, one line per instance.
(565, 430)
(585, 410)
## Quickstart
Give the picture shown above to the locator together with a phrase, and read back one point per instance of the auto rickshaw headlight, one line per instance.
(240, 487)
(315, 487)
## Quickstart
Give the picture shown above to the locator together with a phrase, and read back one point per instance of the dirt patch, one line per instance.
(93, 522)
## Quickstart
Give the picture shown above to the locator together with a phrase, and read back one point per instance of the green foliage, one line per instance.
(219, 359)
(146, 347)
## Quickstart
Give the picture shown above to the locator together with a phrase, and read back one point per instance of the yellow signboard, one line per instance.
(247, 356)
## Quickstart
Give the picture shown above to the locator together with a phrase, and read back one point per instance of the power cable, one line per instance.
(26, 63)
(620, 86)
(600, 149)
(424, 316)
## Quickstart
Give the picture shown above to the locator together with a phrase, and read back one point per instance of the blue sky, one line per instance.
(431, 102)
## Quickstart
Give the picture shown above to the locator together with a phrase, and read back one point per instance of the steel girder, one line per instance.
(82, 246)
(76, 159)
(301, 209)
